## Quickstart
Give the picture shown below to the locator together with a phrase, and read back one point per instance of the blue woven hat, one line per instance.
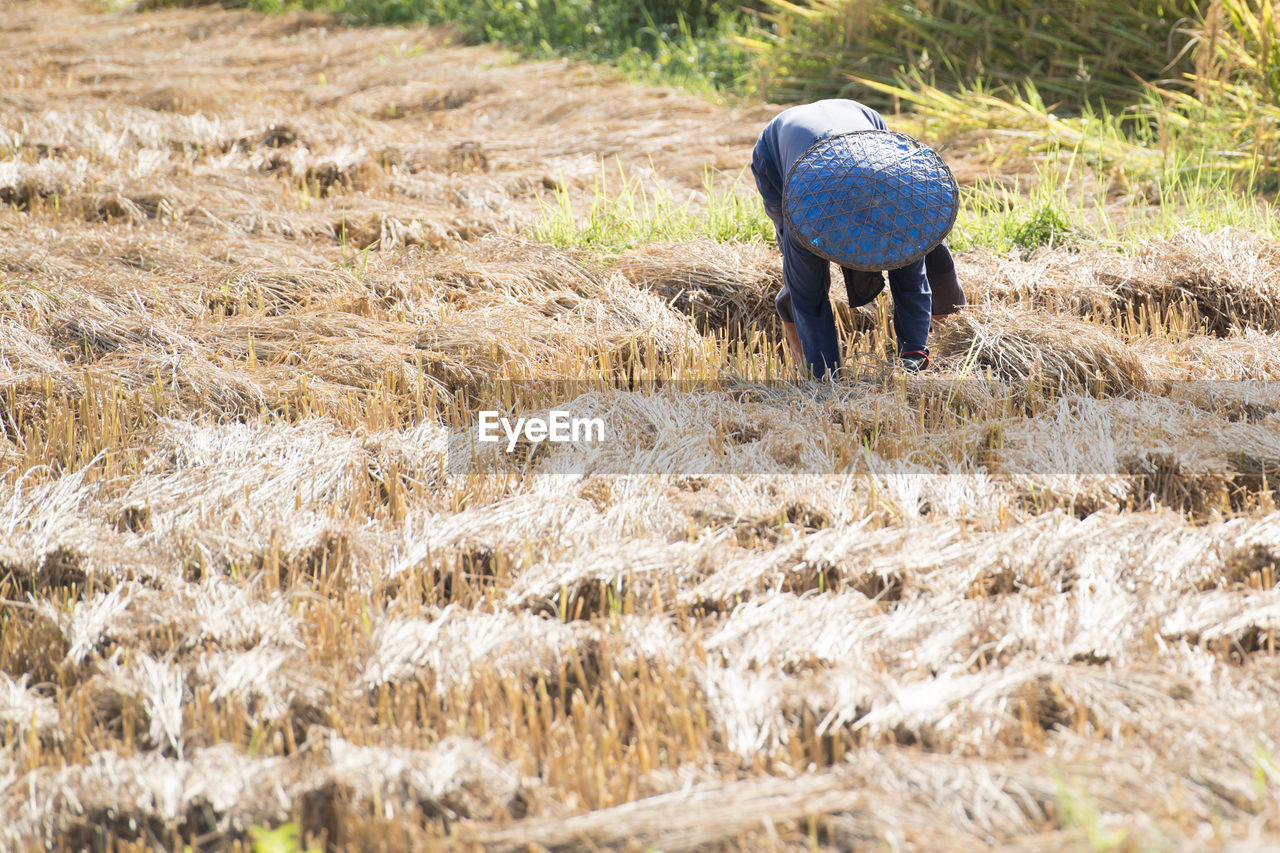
(870, 200)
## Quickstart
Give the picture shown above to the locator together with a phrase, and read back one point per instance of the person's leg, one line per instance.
(807, 279)
(912, 304)
(782, 302)
(948, 295)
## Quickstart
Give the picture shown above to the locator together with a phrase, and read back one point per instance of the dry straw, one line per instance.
(241, 585)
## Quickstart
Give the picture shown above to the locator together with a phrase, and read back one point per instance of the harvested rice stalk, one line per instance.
(1023, 345)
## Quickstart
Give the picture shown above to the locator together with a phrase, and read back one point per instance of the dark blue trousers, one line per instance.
(807, 280)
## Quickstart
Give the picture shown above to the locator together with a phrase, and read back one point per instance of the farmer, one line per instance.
(823, 180)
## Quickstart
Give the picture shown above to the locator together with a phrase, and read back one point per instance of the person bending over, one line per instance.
(869, 203)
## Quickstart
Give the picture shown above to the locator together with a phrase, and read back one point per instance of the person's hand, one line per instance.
(914, 361)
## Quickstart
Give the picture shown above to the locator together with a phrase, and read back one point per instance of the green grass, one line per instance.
(687, 43)
(282, 839)
(990, 218)
(622, 212)
(1078, 810)
(1076, 197)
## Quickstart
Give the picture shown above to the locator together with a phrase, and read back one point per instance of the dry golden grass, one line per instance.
(257, 273)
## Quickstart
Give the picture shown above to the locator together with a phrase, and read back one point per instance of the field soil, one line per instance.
(258, 275)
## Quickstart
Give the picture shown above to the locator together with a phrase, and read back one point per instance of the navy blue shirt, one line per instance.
(791, 133)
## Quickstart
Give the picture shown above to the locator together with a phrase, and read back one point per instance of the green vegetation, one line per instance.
(623, 213)
(1072, 195)
(1078, 51)
(690, 43)
(1162, 114)
(1077, 810)
(1045, 224)
(282, 839)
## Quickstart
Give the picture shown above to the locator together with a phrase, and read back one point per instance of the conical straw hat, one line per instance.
(870, 200)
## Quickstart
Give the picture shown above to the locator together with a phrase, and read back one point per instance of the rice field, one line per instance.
(258, 277)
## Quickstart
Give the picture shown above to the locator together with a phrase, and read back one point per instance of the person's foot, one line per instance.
(914, 361)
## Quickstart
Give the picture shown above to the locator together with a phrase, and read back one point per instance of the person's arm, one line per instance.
(769, 183)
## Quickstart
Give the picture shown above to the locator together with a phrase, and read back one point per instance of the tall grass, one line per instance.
(1237, 41)
(1077, 51)
(1229, 135)
(1161, 87)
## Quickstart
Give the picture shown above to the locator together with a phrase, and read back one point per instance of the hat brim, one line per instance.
(870, 199)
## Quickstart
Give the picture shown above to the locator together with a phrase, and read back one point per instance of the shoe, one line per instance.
(914, 361)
